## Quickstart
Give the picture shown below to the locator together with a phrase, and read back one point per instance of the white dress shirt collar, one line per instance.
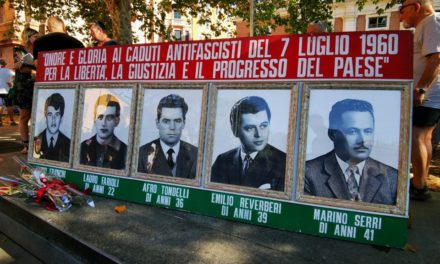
(165, 149)
(49, 135)
(243, 154)
(344, 167)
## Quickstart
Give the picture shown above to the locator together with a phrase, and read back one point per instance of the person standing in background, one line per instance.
(6, 76)
(316, 27)
(24, 82)
(56, 39)
(426, 95)
(99, 35)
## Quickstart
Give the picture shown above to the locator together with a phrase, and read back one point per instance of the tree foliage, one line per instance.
(153, 14)
(306, 11)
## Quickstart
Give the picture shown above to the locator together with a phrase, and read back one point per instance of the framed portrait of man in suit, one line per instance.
(250, 138)
(170, 133)
(354, 149)
(53, 125)
(104, 130)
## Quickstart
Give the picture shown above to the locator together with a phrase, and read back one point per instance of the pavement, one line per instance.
(145, 234)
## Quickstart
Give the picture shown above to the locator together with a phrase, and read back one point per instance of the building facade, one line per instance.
(7, 39)
(183, 29)
(347, 17)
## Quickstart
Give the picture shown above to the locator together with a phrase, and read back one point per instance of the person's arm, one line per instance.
(25, 66)
(35, 52)
(18, 60)
(28, 61)
(429, 75)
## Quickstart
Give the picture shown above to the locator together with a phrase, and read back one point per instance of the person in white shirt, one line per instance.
(6, 79)
(426, 96)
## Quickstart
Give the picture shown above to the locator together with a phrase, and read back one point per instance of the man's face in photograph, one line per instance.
(53, 119)
(254, 131)
(106, 121)
(355, 137)
(170, 125)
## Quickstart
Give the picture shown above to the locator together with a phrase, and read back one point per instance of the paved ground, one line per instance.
(11, 252)
(145, 234)
(9, 138)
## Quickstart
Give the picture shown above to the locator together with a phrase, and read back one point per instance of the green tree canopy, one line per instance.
(120, 13)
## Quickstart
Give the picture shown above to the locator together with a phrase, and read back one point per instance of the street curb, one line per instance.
(45, 241)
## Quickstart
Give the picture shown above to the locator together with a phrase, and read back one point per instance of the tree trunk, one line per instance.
(120, 14)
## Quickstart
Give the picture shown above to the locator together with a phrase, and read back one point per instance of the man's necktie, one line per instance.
(353, 186)
(170, 158)
(51, 143)
(246, 163)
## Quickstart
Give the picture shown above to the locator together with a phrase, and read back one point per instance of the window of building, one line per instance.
(178, 35)
(377, 22)
(177, 14)
(187, 35)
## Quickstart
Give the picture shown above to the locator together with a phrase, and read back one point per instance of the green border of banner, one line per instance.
(356, 226)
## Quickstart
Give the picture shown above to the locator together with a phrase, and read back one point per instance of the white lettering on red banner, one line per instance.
(354, 55)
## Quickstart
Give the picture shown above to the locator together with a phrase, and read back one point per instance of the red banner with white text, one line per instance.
(335, 56)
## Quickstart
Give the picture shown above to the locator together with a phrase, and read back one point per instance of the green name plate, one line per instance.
(362, 227)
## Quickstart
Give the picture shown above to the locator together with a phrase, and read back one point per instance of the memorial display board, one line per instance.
(262, 130)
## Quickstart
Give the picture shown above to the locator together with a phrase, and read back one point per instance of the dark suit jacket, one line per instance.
(186, 160)
(91, 151)
(324, 177)
(268, 167)
(61, 150)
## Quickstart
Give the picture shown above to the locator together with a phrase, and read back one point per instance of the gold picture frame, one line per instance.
(224, 146)
(149, 159)
(113, 158)
(386, 165)
(58, 101)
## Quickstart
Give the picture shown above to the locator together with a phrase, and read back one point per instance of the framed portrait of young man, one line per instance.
(105, 127)
(52, 131)
(170, 133)
(251, 132)
(354, 149)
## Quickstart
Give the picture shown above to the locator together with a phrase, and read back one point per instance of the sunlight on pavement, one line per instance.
(7, 139)
(5, 258)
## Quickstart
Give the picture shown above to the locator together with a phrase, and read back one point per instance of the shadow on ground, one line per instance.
(434, 172)
(10, 146)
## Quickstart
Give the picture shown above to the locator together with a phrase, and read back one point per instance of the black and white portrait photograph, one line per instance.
(104, 133)
(53, 129)
(353, 147)
(170, 132)
(250, 138)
